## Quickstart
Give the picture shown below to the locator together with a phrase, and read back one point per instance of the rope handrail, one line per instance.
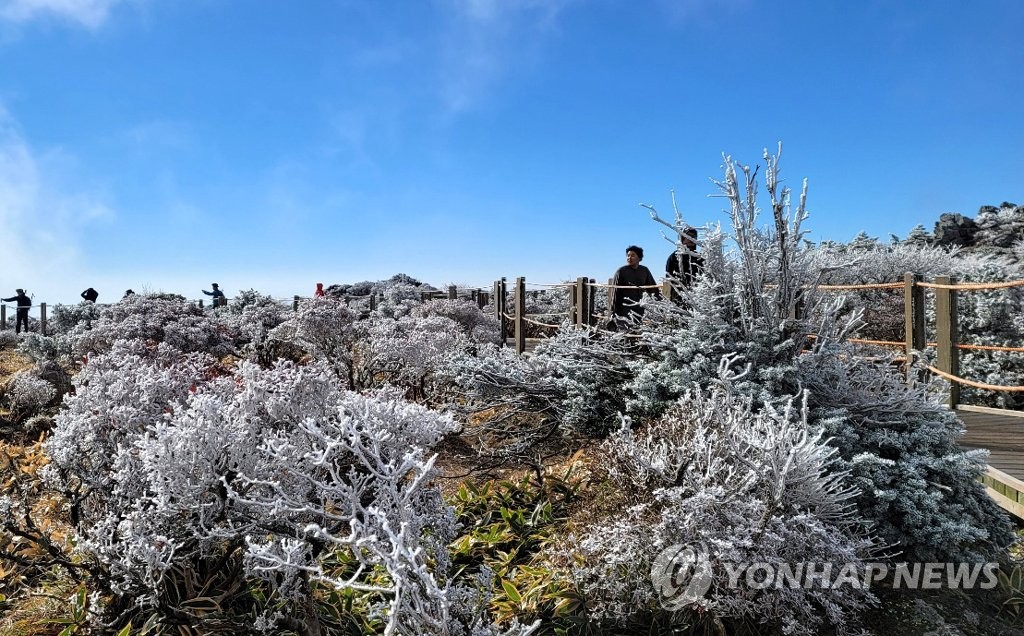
(860, 286)
(624, 286)
(977, 385)
(892, 343)
(973, 286)
(551, 284)
(540, 324)
(881, 343)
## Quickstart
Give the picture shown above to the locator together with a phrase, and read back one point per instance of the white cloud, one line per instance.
(89, 13)
(486, 39)
(40, 224)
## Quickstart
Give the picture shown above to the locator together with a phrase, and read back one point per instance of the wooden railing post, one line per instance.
(373, 302)
(591, 303)
(520, 314)
(42, 319)
(667, 290)
(574, 307)
(582, 303)
(611, 297)
(295, 303)
(481, 299)
(3, 316)
(453, 293)
(499, 308)
(200, 303)
(947, 336)
(913, 320)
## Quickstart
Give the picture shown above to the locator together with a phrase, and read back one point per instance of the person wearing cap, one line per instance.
(626, 301)
(684, 264)
(24, 304)
(90, 294)
(218, 295)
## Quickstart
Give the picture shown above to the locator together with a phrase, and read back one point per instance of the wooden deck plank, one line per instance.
(1003, 436)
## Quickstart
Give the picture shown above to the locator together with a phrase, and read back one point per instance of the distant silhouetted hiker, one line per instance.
(90, 294)
(127, 293)
(632, 274)
(218, 295)
(684, 263)
(24, 304)
(319, 293)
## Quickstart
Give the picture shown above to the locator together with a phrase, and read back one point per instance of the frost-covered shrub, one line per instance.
(157, 319)
(176, 468)
(8, 339)
(66, 317)
(408, 351)
(480, 327)
(250, 318)
(398, 300)
(323, 328)
(59, 348)
(27, 394)
(917, 490)
(572, 382)
(750, 485)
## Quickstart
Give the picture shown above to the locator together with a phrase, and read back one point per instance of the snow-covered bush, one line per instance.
(323, 328)
(571, 382)
(153, 318)
(8, 339)
(751, 485)
(249, 319)
(66, 317)
(917, 490)
(398, 300)
(26, 394)
(408, 351)
(480, 327)
(177, 468)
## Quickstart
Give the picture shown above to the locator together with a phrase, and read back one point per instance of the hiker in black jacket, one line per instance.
(90, 294)
(632, 275)
(24, 304)
(684, 264)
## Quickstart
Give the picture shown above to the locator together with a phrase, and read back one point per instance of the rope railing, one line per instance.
(860, 286)
(552, 284)
(624, 286)
(972, 286)
(972, 383)
(540, 324)
(990, 348)
(893, 343)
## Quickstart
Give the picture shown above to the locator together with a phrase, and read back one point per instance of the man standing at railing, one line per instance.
(24, 304)
(90, 294)
(626, 300)
(218, 295)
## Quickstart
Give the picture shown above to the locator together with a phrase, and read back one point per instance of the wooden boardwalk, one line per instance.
(1002, 433)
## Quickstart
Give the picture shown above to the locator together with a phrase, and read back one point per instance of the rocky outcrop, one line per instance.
(955, 229)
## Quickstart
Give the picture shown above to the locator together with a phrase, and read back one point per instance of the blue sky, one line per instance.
(270, 145)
